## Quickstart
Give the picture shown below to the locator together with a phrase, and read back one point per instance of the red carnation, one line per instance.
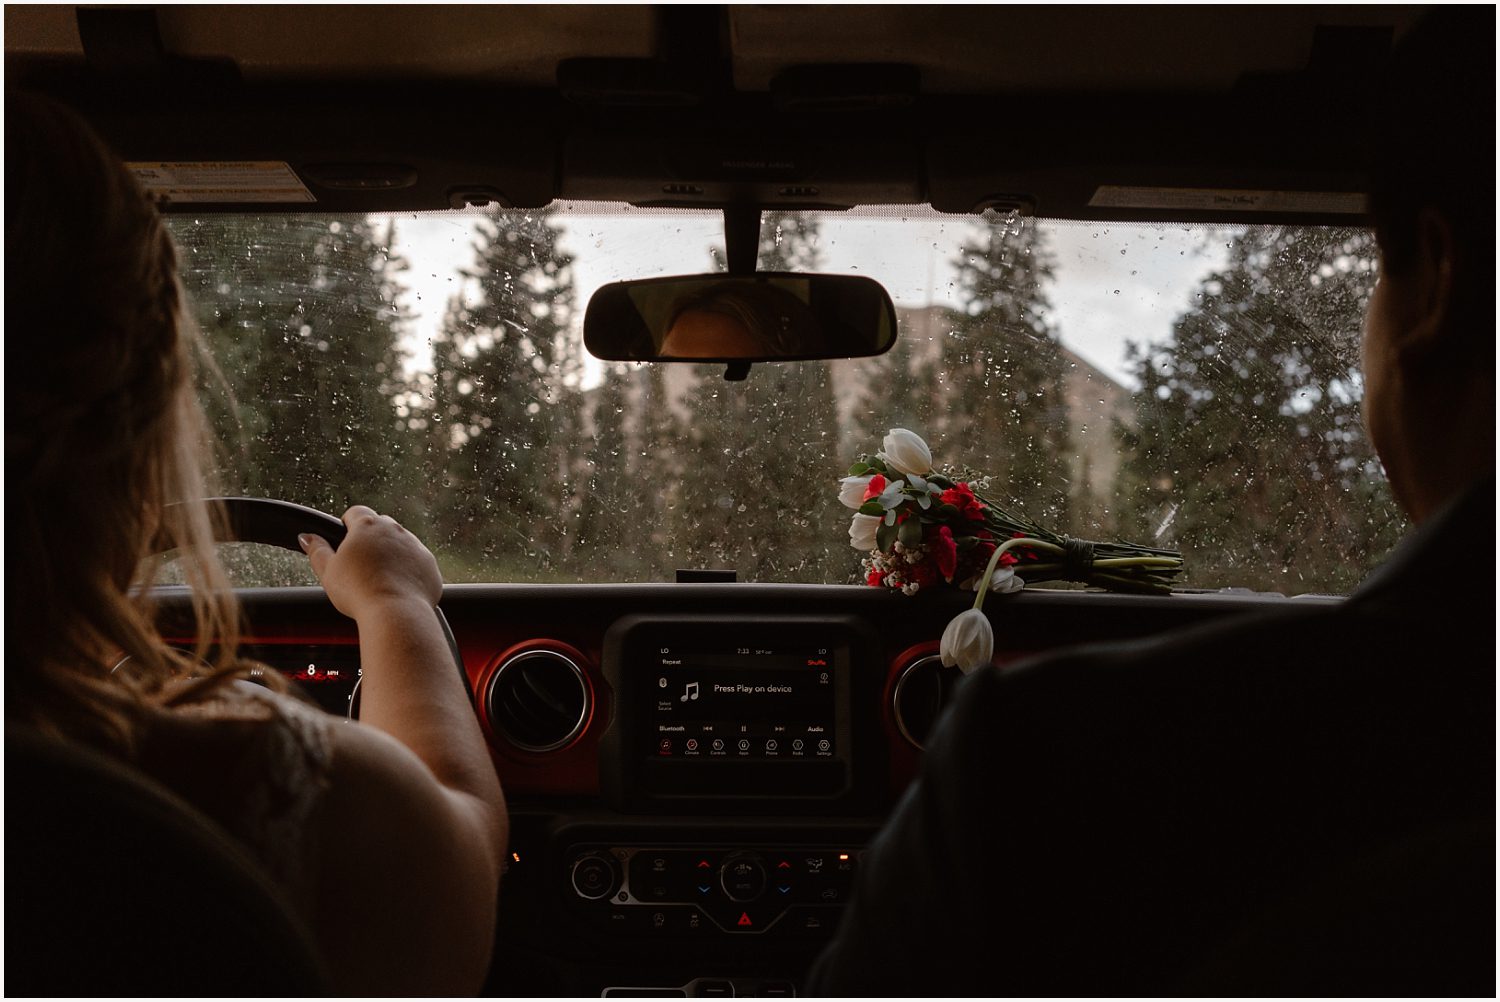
(944, 551)
(875, 578)
(875, 487)
(958, 495)
(983, 550)
(1028, 553)
(962, 498)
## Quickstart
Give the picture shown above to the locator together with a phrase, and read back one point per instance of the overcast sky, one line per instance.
(1114, 283)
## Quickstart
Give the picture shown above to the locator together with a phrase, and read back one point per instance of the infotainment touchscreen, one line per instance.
(752, 712)
(742, 703)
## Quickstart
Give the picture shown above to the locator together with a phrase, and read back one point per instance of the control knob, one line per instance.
(595, 876)
(742, 875)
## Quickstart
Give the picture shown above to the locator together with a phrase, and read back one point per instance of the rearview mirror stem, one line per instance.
(741, 246)
(741, 237)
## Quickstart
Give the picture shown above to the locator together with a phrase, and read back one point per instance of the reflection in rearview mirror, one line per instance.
(752, 318)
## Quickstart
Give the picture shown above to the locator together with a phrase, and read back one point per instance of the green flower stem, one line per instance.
(1005, 547)
(1113, 563)
(1101, 574)
(1139, 586)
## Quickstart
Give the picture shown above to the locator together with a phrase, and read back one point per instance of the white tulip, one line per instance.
(862, 531)
(852, 493)
(1004, 581)
(905, 452)
(968, 642)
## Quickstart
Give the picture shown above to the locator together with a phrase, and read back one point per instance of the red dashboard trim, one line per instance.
(905, 758)
(570, 770)
(573, 770)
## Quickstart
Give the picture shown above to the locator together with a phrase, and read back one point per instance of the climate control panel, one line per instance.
(667, 891)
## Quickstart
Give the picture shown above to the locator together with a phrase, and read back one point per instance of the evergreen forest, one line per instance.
(1241, 442)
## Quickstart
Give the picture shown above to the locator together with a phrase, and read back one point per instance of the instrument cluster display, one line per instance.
(328, 673)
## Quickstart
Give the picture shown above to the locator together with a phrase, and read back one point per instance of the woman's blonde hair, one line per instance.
(103, 434)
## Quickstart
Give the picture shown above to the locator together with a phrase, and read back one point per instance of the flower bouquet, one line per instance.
(923, 528)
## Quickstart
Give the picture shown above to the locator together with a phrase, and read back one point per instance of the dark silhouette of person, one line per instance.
(1300, 802)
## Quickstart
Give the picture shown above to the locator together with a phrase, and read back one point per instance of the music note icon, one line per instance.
(690, 692)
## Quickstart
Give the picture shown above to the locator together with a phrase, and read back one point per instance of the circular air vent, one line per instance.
(921, 693)
(538, 700)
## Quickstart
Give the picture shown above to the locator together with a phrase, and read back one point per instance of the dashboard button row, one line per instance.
(684, 921)
(707, 877)
(687, 892)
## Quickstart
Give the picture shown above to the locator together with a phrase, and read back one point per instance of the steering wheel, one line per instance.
(278, 523)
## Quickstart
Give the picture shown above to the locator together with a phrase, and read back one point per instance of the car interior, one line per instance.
(658, 849)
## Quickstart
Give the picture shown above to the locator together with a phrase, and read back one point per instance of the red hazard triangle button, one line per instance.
(744, 919)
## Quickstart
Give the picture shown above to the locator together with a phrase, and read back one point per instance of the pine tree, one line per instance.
(630, 478)
(1005, 371)
(606, 468)
(1248, 451)
(504, 401)
(762, 450)
(987, 390)
(303, 318)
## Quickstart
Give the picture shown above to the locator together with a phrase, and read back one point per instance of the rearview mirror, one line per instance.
(763, 317)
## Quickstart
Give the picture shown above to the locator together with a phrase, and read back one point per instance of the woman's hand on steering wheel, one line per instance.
(386, 561)
(378, 563)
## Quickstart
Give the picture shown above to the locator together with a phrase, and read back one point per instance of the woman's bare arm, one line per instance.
(415, 828)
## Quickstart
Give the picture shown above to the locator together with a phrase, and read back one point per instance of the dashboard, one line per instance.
(694, 770)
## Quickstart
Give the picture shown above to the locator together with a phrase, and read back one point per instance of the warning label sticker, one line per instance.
(222, 181)
(1111, 196)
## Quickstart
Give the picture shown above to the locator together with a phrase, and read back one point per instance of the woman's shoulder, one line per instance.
(266, 739)
(257, 762)
(244, 707)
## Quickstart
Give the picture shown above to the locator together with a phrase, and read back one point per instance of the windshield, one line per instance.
(1185, 386)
